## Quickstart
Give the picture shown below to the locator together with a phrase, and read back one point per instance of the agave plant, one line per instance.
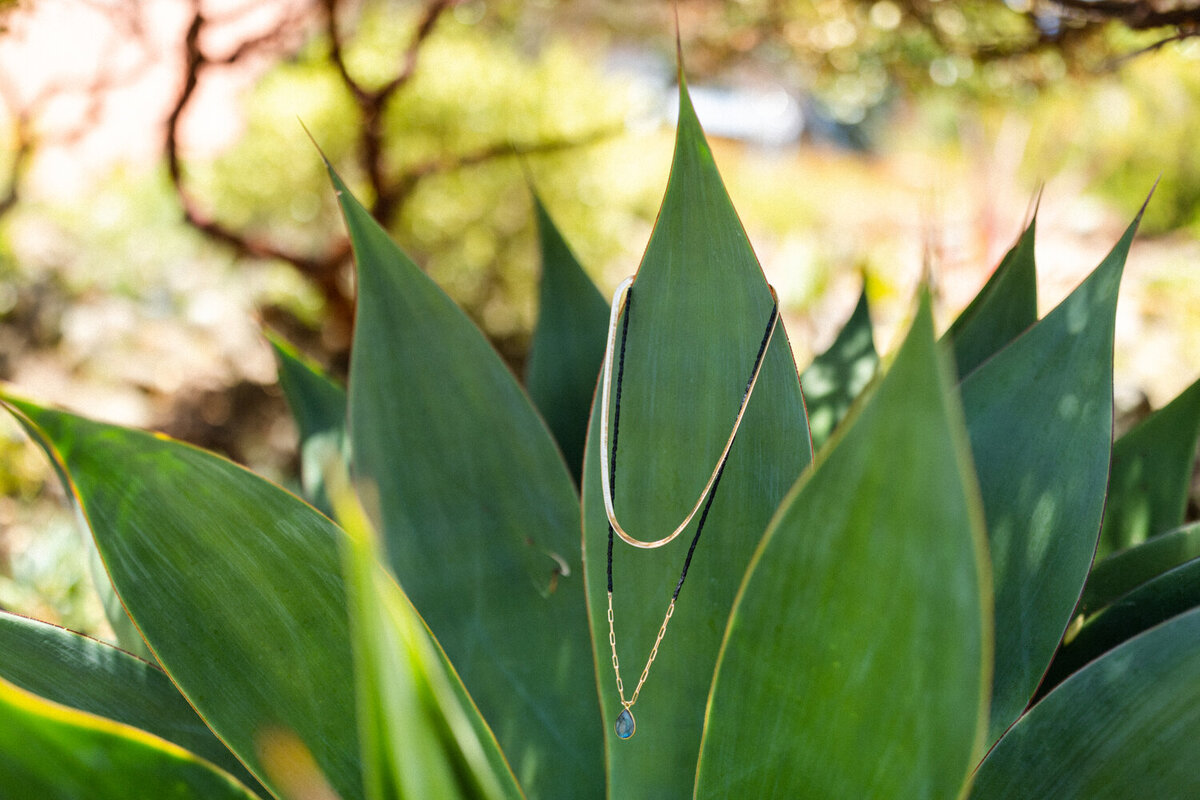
(911, 612)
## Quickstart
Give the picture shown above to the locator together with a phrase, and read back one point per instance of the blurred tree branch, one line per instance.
(25, 114)
(372, 103)
(320, 269)
(390, 189)
(19, 161)
(838, 37)
(1138, 15)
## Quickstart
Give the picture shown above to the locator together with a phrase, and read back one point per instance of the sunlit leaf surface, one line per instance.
(126, 632)
(837, 376)
(1151, 473)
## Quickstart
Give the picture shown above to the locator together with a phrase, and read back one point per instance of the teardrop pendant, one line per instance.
(626, 724)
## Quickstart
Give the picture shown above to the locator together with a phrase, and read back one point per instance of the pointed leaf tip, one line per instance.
(838, 376)
(568, 343)
(1043, 464)
(696, 321)
(1003, 309)
(678, 45)
(494, 502)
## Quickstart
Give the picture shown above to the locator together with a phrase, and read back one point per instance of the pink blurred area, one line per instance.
(101, 76)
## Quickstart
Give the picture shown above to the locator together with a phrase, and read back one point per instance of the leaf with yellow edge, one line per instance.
(51, 751)
(421, 734)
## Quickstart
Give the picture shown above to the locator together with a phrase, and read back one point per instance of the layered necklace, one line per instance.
(623, 300)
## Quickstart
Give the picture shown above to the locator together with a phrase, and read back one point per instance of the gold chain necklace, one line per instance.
(623, 300)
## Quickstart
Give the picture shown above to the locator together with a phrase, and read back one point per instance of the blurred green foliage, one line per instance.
(1125, 130)
(455, 136)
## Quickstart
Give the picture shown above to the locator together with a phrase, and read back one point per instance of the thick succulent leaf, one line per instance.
(126, 632)
(1124, 726)
(1124, 571)
(421, 735)
(826, 686)
(75, 671)
(51, 751)
(700, 306)
(568, 343)
(1151, 473)
(837, 376)
(318, 405)
(1005, 307)
(1174, 592)
(1039, 414)
(478, 511)
(235, 584)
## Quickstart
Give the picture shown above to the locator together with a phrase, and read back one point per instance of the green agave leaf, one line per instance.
(1121, 727)
(1151, 472)
(479, 514)
(839, 375)
(234, 583)
(1128, 569)
(568, 343)
(700, 306)
(1039, 414)
(1175, 591)
(826, 686)
(51, 751)
(421, 735)
(126, 632)
(318, 404)
(1005, 307)
(82, 673)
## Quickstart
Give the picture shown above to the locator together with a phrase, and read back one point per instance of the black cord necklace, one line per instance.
(626, 724)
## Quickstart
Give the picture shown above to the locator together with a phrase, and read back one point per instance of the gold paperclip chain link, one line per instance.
(625, 724)
(612, 640)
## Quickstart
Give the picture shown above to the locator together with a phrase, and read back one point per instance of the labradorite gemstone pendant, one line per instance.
(625, 724)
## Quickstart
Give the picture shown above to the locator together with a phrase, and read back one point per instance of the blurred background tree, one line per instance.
(161, 196)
